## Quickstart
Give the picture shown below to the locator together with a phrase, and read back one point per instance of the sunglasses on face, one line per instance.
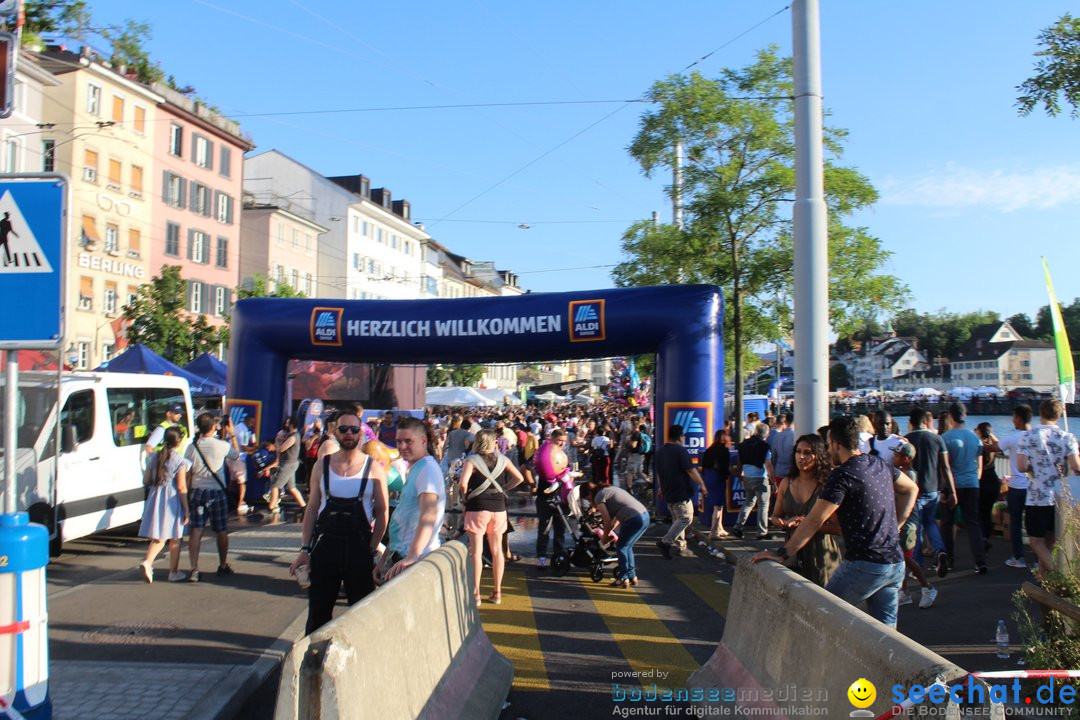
(354, 429)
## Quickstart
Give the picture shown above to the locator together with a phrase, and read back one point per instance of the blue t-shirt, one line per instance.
(964, 449)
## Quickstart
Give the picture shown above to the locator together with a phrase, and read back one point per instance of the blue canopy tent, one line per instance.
(207, 366)
(141, 359)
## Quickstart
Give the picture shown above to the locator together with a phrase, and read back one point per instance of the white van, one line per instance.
(95, 482)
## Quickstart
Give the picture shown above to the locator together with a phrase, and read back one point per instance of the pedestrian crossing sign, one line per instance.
(32, 249)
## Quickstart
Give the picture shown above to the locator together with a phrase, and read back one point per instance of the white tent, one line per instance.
(457, 397)
(581, 400)
(989, 390)
(549, 397)
(926, 392)
(961, 392)
(498, 396)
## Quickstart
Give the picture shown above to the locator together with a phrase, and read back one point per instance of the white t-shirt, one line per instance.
(349, 487)
(425, 476)
(864, 442)
(601, 442)
(1010, 444)
(886, 448)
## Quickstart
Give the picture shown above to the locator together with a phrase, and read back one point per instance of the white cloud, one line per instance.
(1007, 191)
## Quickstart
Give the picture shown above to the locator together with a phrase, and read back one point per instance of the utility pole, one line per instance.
(811, 226)
(677, 187)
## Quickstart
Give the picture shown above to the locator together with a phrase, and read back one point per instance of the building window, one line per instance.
(11, 155)
(202, 152)
(224, 208)
(176, 140)
(394, 241)
(294, 279)
(116, 173)
(307, 284)
(134, 242)
(90, 166)
(222, 252)
(89, 231)
(110, 298)
(364, 229)
(175, 190)
(221, 302)
(112, 239)
(280, 234)
(307, 243)
(356, 261)
(198, 246)
(172, 239)
(195, 288)
(132, 294)
(136, 181)
(431, 286)
(107, 352)
(200, 199)
(1025, 363)
(118, 110)
(295, 239)
(225, 162)
(378, 236)
(48, 155)
(84, 355)
(86, 293)
(139, 121)
(93, 99)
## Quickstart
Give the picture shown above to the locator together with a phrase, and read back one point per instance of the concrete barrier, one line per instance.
(413, 649)
(790, 644)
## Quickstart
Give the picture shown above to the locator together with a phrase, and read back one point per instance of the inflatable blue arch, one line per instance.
(681, 323)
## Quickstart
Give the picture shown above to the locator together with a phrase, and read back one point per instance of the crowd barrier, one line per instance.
(413, 649)
(788, 644)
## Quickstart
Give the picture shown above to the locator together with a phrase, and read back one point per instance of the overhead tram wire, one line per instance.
(605, 117)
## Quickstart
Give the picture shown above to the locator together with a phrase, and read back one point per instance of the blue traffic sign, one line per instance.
(32, 260)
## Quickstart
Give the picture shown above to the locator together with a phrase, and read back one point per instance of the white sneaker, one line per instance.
(929, 595)
(905, 599)
(242, 509)
(541, 562)
(1016, 562)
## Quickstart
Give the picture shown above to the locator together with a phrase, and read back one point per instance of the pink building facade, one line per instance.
(198, 192)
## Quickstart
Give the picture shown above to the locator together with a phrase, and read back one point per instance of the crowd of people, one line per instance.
(861, 507)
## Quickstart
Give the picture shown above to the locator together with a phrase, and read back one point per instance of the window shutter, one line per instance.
(230, 202)
(209, 155)
(191, 295)
(165, 188)
(195, 147)
(190, 244)
(182, 200)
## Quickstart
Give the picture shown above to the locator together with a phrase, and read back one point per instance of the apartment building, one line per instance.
(280, 246)
(196, 217)
(100, 130)
(22, 149)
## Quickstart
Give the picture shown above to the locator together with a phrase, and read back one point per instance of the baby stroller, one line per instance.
(588, 550)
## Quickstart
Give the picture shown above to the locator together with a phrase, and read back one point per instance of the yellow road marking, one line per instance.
(642, 636)
(716, 595)
(511, 626)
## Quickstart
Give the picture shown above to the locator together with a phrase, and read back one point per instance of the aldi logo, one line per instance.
(326, 326)
(587, 321)
(696, 420)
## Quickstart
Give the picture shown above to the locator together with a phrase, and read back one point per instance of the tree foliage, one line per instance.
(159, 319)
(1057, 72)
(455, 375)
(129, 50)
(941, 334)
(260, 287)
(739, 184)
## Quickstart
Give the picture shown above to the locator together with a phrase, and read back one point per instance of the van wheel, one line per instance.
(42, 514)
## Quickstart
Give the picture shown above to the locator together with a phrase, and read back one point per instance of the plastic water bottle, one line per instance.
(1002, 640)
(303, 579)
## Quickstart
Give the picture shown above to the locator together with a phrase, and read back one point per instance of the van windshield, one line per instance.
(35, 402)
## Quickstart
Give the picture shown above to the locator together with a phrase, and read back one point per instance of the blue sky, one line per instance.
(972, 194)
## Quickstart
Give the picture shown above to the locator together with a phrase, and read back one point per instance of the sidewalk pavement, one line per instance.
(961, 624)
(120, 648)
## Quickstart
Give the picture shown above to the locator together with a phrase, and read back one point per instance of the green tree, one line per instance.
(940, 334)
(838, 377)
(260, 287)
(1057, 72)
(739, 182)
(129, 49)
(159, 319)
(1021, 322)
(456, 375)
(70, 18)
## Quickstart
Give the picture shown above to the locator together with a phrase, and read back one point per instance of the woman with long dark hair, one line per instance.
(989, 482)
(165, 513)
(797, 493)
(717, 458)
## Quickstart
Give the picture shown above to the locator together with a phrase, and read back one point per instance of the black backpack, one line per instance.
(344, 517)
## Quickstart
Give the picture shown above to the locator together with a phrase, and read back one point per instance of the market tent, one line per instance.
(141, 359)
(926, 392)
(549, 397)
(497, 396)
(209, 367)
(457, 397)
(989, 390)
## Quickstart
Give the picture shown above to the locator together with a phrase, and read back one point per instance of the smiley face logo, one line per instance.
(862, 693)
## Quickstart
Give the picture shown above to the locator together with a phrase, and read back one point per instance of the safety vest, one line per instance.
(165, 424)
